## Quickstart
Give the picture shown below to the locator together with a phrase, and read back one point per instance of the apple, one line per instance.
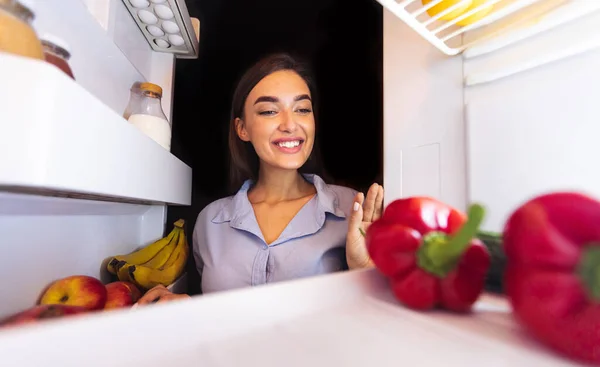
(136, 294)
(121, 294)
(40, 313)
(76, 290)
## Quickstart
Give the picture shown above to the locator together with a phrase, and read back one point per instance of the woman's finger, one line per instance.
(378, 204)
(153, 295)
(172, 297)
(369, 207)
(357, 213)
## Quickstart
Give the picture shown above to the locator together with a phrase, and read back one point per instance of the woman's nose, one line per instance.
(287, 123)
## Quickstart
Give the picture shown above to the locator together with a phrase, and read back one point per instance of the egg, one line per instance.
(176, 40)
(155, 31)
(147, 17)
(163, 12)
(170, 27)
(162, 43)
(139, 3)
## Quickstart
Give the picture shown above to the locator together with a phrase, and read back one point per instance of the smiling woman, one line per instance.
(293, 79)
(281, 128)
(284, 222)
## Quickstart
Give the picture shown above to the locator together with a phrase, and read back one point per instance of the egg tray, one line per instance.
(154, 17)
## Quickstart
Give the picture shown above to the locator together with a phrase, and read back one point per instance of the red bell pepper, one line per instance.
(552, 276)
(428, 251)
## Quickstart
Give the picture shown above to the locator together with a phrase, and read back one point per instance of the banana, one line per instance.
(146, 253)
(163, 255)
(122, 271)
(142, 255)
(181, 243)
(148, 278)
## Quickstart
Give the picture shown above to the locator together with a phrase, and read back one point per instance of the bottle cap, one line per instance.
(29, 4)
(23, 8)
(56, 41)
(151, 87)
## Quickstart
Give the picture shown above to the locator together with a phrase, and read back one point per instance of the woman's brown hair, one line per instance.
(244, 161)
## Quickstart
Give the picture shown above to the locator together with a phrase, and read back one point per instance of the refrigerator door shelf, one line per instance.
(344, 319)
(58, 139)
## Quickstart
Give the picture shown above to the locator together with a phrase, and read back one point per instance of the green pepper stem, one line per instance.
(440, 253)
(461, 240)
(589, 270)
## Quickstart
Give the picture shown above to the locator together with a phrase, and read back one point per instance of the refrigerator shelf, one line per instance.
(344, 319)
(57, 139)
(485, 25)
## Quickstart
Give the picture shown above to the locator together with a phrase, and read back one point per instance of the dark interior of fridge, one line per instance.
(343, 42)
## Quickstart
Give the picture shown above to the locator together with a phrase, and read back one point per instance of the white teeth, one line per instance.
(289, 144)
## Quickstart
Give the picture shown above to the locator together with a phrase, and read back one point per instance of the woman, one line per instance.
(281, 224)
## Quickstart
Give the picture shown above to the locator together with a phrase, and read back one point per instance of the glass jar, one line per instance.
(17, 36)
(148, 116)
(135, 94)
(57, 53)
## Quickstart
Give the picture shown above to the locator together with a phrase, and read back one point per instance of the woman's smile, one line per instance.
(289, 145)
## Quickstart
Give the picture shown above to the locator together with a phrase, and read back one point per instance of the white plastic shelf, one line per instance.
(501, 17)
(570, 30)
(57, 139)
(344, 319)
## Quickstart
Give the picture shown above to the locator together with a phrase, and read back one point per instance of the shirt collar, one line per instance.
(239, 206)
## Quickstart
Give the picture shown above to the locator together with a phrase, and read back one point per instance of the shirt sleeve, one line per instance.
(346, 197)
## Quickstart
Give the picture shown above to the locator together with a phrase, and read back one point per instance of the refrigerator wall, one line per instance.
(78, 183)
(496, 127)
(535, 131)
(424, 145)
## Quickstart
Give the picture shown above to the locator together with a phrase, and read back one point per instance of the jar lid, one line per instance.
(56, 41)
(22, 8)
(29, 4)
(151, 87)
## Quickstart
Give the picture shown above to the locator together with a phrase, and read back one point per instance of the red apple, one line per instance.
(76, 290)
(40, 313)
(121, 294)
(135, 291)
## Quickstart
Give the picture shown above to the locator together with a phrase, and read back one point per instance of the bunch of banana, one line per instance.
(161, 262)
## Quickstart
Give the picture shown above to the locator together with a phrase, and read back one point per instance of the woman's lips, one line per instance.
(289, 146)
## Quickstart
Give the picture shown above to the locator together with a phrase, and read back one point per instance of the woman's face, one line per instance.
(279, 121)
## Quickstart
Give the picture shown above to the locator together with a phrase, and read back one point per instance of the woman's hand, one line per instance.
(364, 212)
(158, 294)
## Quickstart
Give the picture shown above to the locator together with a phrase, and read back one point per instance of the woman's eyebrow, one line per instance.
(266, 99)
(301, 97)
(275, 99)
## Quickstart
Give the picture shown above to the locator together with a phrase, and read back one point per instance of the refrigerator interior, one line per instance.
(494, 126)
(504, 121)
(79, 183)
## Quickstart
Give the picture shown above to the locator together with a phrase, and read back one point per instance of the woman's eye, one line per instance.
(304, 110)
(267, 113)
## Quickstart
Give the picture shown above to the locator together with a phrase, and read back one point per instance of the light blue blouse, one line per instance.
(230, 250)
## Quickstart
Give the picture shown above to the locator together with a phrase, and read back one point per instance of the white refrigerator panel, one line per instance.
(535, 131)
(423, 118)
